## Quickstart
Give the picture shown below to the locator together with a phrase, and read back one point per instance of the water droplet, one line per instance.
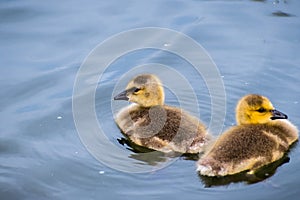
(167, 44)
(59, 117)
(296, 102)
(101, 172)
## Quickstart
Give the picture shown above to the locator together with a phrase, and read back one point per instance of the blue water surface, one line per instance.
(255, 45)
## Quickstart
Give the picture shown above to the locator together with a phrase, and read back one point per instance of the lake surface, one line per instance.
(255, 46)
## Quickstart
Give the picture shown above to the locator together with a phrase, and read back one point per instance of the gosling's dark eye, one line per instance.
(136, 90)
(261, 110)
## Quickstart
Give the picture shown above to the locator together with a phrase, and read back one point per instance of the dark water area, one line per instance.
(254, 44)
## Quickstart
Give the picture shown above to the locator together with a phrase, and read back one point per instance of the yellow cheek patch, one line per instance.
(138, 92)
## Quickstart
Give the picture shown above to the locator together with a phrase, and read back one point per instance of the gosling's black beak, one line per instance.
(122, 96)
(278, 115)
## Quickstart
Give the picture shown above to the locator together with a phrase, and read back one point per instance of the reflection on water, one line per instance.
(148, 156)
(281, 14)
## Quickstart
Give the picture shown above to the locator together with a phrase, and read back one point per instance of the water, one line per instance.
(255, 45)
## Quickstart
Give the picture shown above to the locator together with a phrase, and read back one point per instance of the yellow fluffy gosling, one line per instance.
(262, 136)
(150, 123)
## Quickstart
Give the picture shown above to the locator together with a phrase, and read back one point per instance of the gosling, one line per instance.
(262, 136)
(148, 122)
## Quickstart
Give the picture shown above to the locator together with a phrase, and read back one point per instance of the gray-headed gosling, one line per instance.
(262, 136)
(150, 123)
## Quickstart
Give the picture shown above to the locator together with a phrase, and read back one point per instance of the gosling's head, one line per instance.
(256, 109)
(145, 90)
